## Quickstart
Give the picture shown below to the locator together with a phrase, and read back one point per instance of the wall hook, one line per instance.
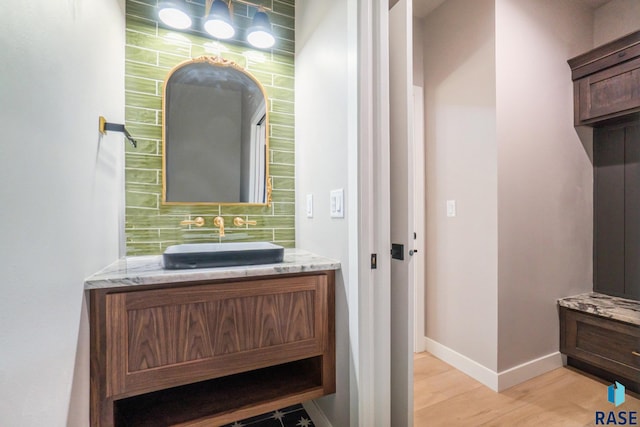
(103, 127)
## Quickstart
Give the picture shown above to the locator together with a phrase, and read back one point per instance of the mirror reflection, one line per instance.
(215, 140)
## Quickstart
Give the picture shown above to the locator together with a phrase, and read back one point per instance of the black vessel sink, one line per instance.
(207, 255)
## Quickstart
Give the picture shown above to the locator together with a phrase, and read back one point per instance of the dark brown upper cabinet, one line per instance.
(606, 82)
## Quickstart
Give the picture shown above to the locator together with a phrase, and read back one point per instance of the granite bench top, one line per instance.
(624, 310)
(147, 270)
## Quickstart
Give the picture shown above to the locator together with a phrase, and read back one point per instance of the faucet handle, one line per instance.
(239, 222)
(219, 222)
(198, 221)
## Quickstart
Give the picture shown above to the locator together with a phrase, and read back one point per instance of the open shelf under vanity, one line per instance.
(224, 400)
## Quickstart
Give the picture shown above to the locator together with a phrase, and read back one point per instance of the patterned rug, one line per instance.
(292, 416)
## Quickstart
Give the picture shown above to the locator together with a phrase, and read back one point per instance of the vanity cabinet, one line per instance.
(607, 81)
(607, 347)
(211, 352)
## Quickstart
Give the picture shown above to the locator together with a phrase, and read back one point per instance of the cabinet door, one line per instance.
(601, 342)
(609, 93)
(167, 337)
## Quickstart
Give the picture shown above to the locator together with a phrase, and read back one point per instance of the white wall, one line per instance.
(61, 190)
(615, 19)
(545, 179)
(461, 164)
(325, 147)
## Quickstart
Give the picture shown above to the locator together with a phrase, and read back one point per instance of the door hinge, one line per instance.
(374, 261)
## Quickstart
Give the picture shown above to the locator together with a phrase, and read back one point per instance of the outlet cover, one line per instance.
(451, 208)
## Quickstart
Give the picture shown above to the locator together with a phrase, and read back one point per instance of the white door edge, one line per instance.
(419, 219)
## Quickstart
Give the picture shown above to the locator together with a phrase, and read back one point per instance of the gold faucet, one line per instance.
(239, 222)
(219, 222)
(198, 221)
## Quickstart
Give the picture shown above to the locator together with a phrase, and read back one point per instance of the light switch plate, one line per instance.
(451, 208)
(336, 203)
(309, 205)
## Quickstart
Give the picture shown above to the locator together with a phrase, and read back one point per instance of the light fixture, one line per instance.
(174, 14)
(259, 34)
(218, 23)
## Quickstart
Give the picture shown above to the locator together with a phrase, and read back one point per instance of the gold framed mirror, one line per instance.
(215, 135)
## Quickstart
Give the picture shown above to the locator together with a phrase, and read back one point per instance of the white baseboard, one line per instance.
(494, 380)
(462, 363)
(526, 371)
(317, 416)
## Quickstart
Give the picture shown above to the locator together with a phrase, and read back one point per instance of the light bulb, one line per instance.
(261, 39)
(174, 17)
(219, 29)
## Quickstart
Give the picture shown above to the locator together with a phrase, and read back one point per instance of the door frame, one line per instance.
(372, 375)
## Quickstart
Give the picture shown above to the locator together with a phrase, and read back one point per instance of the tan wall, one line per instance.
(545, 180)
(500, 140)
(461, 164)
(615, 19)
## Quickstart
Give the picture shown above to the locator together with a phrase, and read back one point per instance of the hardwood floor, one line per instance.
(444, 396)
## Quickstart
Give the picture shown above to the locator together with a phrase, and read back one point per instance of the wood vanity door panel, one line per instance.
(157, 338)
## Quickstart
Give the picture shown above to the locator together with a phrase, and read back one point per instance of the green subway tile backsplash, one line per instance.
(246, 210)
(141, 25)
(284, 234)
(284, 82)
(151, 52)
(283, 157)
(279, 106)
(136, 84)
(284, 195)
(145, 56)
(284, 209)
(145, 146)
(281, 170)
(140, 176)
(284, 183)
(279, 131)
(142, 9)
(281, 144)
(141, 100)
(140, 115)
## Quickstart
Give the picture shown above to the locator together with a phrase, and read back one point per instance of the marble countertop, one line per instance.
(147, 270)
(625, 310)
